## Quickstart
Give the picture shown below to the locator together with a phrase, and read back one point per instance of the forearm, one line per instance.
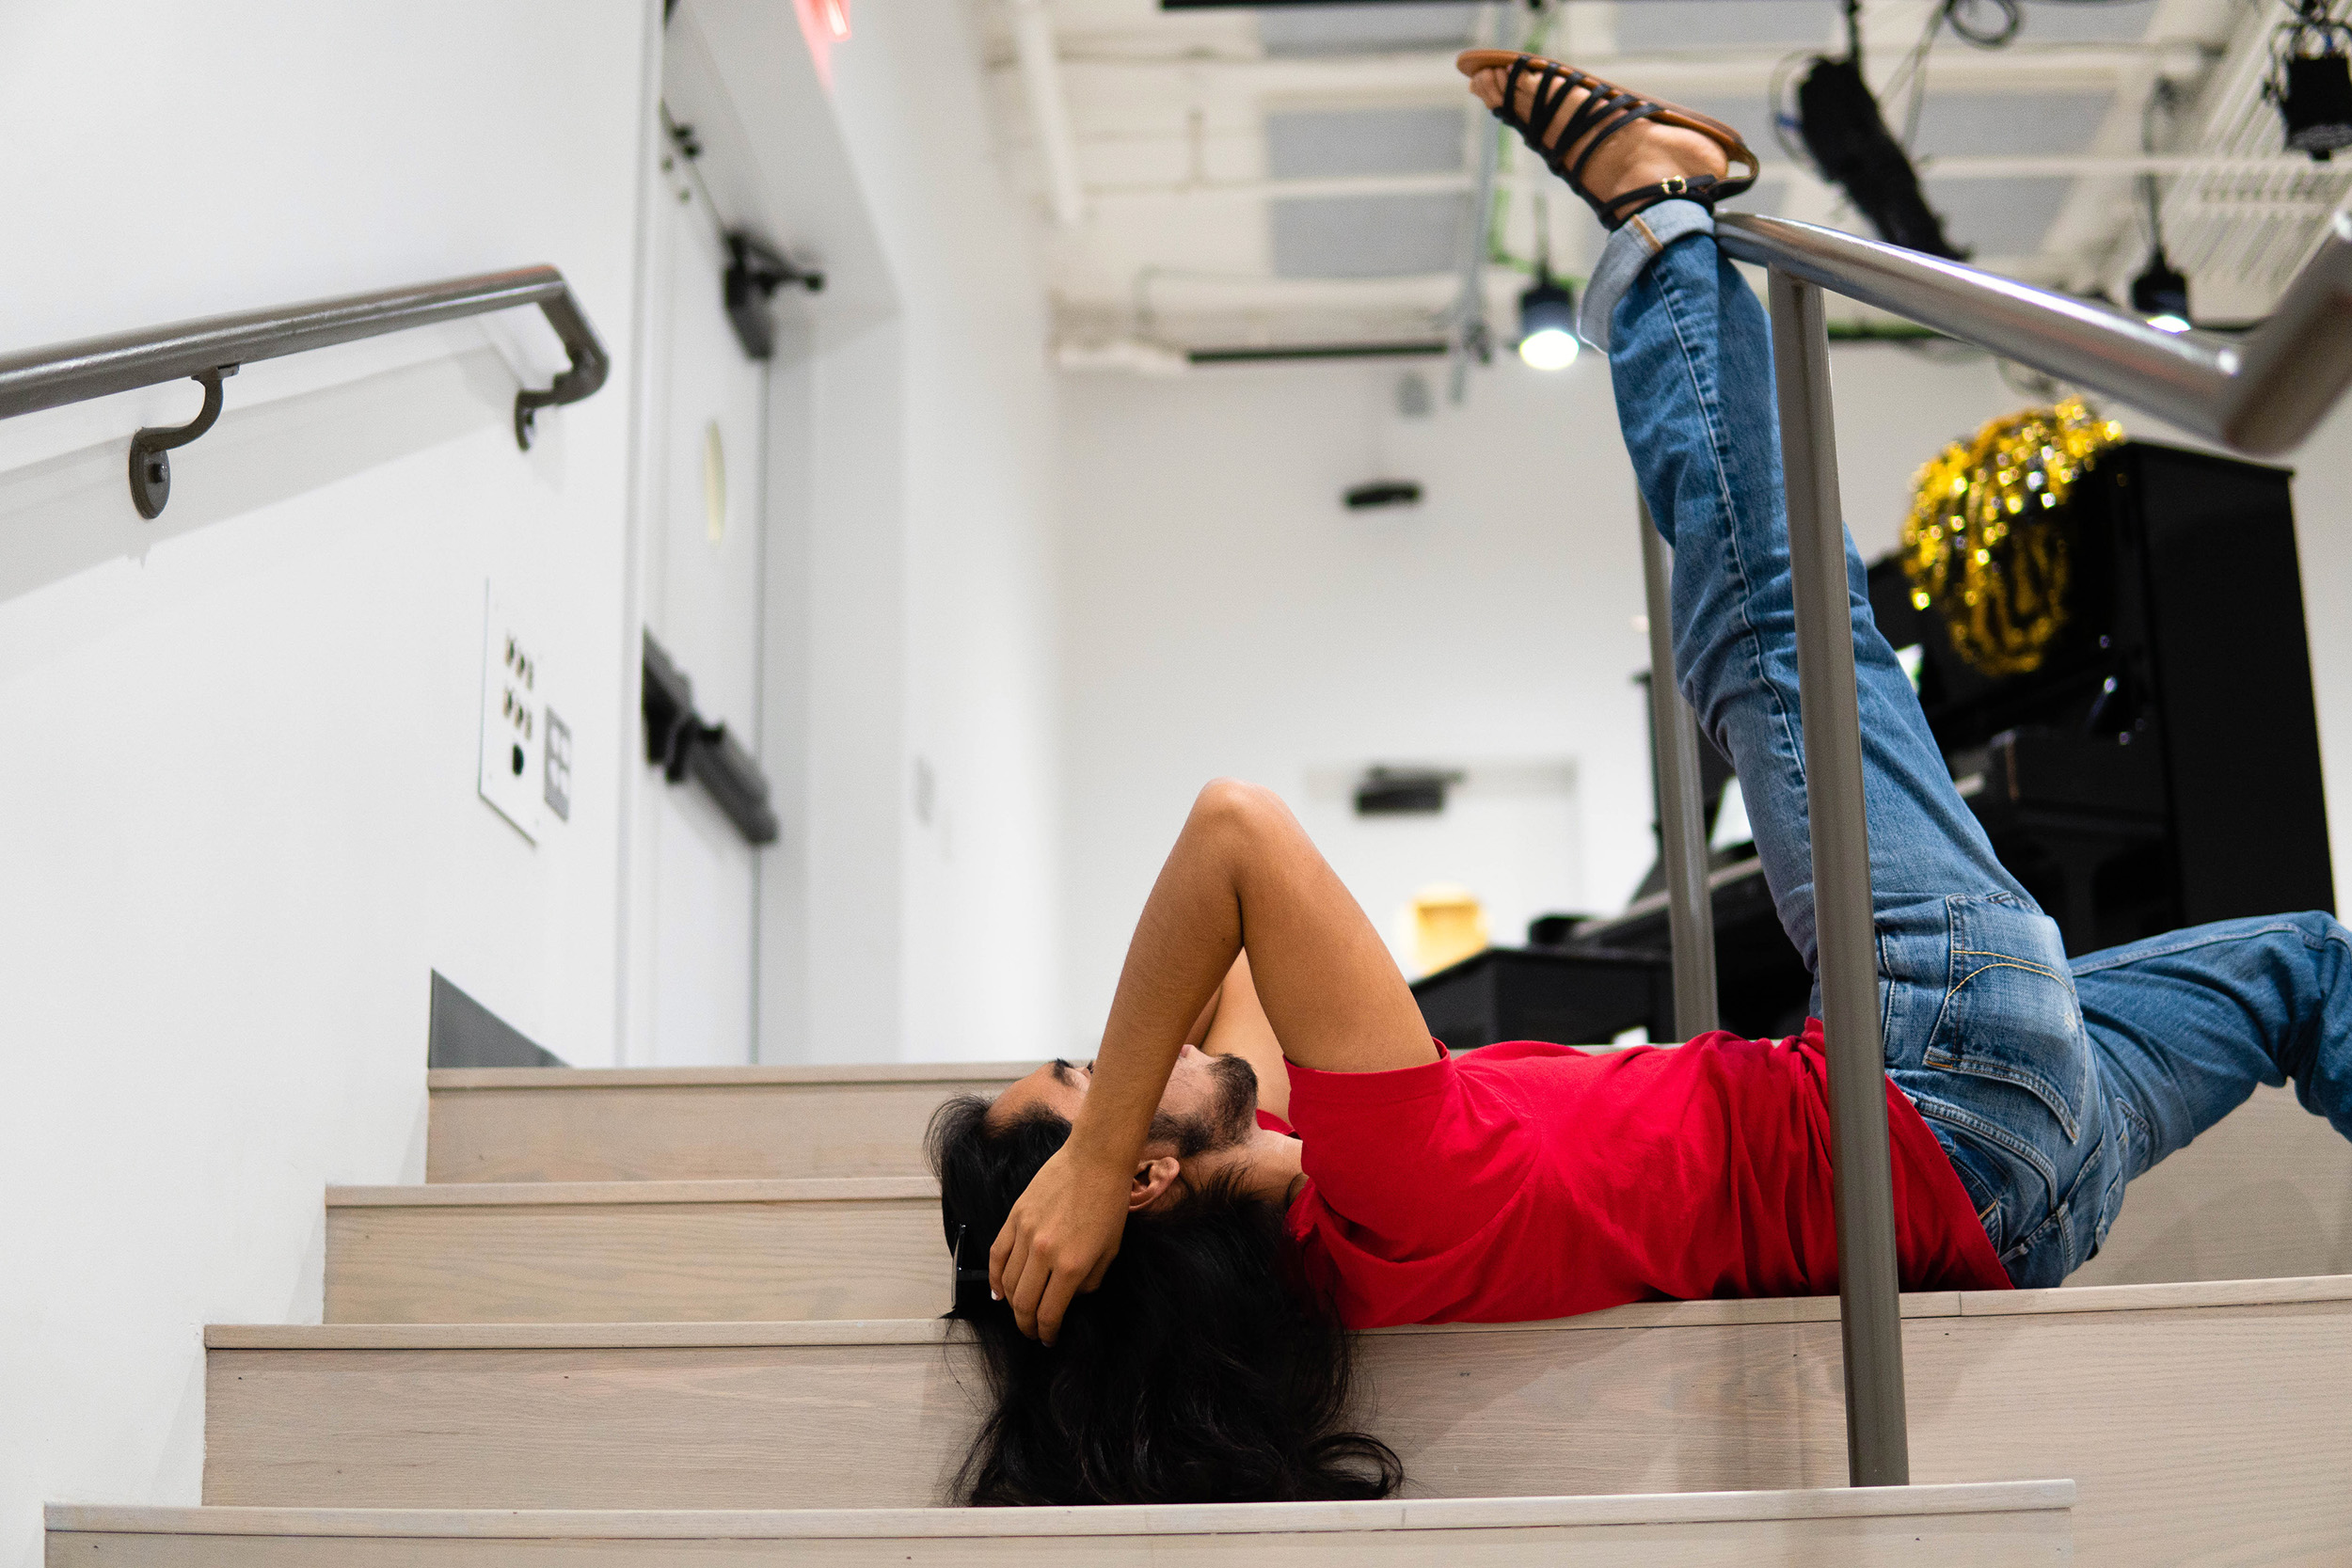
(1240, 1028)
(1330, 991)
(1184, 942)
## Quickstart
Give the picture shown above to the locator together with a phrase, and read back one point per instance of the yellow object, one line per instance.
(1449, 924)
(1986, 544)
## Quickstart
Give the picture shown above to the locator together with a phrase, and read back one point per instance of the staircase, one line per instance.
(651, 1318)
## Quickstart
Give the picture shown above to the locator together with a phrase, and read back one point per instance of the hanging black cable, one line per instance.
(2160, 293)
(1847, 136)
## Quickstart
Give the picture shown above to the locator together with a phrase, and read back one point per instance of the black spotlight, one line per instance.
(2161, 293)
(1848, 137)
(1548, 323)
(1381, 492)
(1402, 791)
(2311, 80)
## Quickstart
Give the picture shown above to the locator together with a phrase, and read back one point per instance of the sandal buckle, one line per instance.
(1678, 185)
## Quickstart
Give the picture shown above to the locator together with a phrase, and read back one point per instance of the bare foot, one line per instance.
(1643, 153)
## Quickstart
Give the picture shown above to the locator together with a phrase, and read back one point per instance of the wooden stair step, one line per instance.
(2194, 1417)
(636, 1251)
(2267, 1192)
(1993, 1525)
(691, 1124)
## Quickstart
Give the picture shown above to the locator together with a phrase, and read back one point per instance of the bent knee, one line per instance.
(2319, 927)
(1238, 804)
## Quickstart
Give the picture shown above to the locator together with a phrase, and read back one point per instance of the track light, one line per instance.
(2311, 80)
(2161, 293)
(1548, 323)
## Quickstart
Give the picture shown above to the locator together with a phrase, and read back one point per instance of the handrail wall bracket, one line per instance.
(151, 462)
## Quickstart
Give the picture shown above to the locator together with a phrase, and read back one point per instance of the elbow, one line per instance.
(1230, 807)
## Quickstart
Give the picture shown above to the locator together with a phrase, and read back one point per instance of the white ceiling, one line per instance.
(1305, 174)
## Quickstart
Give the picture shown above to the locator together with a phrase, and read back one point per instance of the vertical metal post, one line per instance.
(1690, 911)
(1877, 1446)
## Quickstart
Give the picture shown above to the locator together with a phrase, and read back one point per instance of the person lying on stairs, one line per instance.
(1180, 1236)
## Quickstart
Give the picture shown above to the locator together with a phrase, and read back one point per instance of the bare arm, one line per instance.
(1242, 870)
(1238, 1027)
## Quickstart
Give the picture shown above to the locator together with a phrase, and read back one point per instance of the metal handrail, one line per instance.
(211, 346)
(1681, 828)
(2262, 394)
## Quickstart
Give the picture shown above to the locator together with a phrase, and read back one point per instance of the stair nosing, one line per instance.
(459, 1080)
(508, 1194)
(1195, 1519)
(620, 1335)
(922, 1331)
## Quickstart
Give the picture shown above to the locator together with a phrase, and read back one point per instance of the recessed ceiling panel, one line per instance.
(1998, 217)
(1365, 29)
(2006, 123)
(2079, 24)
(1663, 27)
(1367, 236)
(1328, 144)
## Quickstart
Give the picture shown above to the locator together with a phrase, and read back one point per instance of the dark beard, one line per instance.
(1230, 1120)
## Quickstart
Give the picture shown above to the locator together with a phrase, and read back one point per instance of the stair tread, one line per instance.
(450, 1079)
(802, 1189)
(1663, 1314)
(1202, 1518)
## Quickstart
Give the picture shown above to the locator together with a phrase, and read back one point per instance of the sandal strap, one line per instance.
(1705, 189)
(1607, 109)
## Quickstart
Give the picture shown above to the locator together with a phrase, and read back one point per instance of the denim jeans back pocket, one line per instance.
(2009, 1013)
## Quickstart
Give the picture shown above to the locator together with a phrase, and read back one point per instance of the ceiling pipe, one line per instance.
(1049, 110)
(2027, 166)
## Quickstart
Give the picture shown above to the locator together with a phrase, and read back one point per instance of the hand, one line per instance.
(1059, 1240)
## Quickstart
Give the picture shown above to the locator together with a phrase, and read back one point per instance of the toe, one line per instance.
(1488, 85)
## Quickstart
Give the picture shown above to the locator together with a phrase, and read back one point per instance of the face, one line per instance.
(1211, 1102)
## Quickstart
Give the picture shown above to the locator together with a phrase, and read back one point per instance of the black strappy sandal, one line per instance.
(1607, 109)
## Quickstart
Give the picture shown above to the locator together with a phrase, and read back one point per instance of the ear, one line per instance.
(1153, 1178)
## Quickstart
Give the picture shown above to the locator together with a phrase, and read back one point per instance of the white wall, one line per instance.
(1225, 614)
(925, 583)
(238, 824)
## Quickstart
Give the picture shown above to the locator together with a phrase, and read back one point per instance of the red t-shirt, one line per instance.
(1525, 1180)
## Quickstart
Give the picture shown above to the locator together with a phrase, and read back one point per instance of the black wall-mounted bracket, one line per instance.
(683, 746)
(588, 370)
(150, 465)
(756, 270)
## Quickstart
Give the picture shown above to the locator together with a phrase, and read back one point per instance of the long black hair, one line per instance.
(1200, 1372)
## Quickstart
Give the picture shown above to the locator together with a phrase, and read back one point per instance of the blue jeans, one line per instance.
(2049, 1084)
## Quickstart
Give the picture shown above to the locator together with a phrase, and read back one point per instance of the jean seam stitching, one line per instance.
(2093, 966)
(2008, 959)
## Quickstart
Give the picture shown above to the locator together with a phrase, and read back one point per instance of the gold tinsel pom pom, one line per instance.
(1985, 542)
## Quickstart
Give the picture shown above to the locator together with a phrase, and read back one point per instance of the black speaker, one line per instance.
(2161, 768)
